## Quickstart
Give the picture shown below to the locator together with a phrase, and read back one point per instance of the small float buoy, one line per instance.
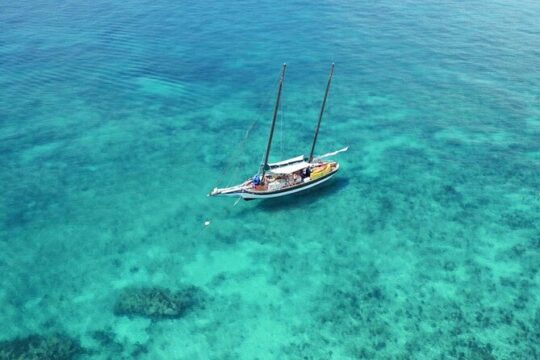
(207, 222)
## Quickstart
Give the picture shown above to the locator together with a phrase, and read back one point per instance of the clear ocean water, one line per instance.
(117, 118)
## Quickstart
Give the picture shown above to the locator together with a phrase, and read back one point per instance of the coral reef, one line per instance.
(39, 347)
(158, 303)
(106, 340)
(108, 345)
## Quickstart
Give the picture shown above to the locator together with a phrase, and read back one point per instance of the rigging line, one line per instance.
(239, 147)
(282, 115)
(282, 141)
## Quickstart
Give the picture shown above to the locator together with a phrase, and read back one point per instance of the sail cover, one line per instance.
(289, 169)
(286, 162)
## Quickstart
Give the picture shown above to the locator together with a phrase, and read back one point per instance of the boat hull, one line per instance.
(252, 195)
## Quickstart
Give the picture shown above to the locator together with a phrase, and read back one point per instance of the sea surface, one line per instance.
(118, 117)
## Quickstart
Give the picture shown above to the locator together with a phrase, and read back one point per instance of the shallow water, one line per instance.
(117, 118)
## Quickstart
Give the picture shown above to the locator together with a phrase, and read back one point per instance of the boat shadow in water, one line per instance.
(306, 197)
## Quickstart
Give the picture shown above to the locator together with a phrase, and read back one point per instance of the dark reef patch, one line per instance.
(106, 340)
(40, 347)
(109, 346)
(158, 303)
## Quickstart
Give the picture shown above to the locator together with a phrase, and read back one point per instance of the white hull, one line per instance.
(239, 191)
(283, 193)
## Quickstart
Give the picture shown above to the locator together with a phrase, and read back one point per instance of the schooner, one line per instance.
(291, 175)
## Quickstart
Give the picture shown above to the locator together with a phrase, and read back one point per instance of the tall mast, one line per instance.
(264, 165)
(321, 113)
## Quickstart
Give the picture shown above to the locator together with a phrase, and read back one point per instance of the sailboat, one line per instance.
(291, 175)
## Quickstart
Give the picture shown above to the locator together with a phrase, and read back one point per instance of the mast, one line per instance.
(264, 165)
(321, 114)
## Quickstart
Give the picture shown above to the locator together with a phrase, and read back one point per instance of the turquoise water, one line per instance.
(116, 119)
